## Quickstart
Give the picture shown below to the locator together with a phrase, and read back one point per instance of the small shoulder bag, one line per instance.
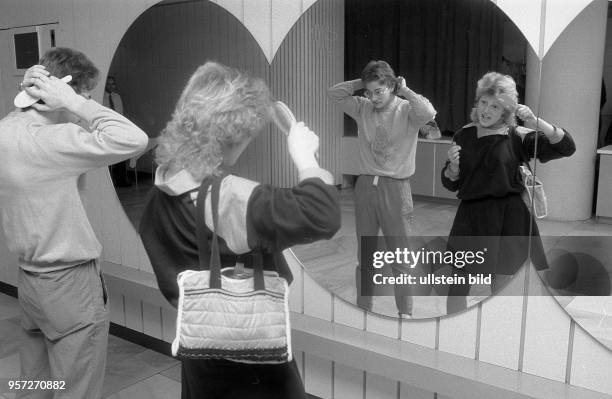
(533, 195)
(243, 317)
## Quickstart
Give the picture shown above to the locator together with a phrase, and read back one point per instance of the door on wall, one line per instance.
(23, 47)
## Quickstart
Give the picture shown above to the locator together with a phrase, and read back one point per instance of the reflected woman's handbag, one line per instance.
(242, 317)
(533, 192)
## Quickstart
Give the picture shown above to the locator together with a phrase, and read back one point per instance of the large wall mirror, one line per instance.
(442, 48)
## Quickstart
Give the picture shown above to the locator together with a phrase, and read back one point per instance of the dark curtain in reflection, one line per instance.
(441, 47)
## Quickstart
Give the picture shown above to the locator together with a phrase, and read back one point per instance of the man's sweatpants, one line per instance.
(384, 204)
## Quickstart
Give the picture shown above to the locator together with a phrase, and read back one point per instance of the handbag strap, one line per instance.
(258, 275)
(519, 151)
(209, 259)
(215, 257)
(198, 215)
(214, 265)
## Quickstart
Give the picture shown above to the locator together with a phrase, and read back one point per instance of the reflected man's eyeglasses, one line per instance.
(377, 93)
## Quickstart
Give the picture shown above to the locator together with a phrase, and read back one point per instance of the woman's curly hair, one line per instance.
(494, 84)
(220, 107)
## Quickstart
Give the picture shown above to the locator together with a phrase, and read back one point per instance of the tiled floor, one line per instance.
(132, 371)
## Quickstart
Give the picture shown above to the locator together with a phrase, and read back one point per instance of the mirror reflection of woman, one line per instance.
(218, 114)
(483, 168)
(388, 132)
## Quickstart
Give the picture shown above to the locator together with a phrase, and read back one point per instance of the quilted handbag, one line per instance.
(242, 317)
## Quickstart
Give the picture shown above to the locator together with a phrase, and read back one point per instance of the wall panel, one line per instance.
(348, 314)
(317, 300)
(458, 333)
(305, 65)
(502, 316)
(133, 313)
(410, 392)
(107, 202)
(318, 376)
(586, 354)
(115, 305)
(386, 326)
(296, 290)
(348, 382)
(378, 387)
(420, 332)
(547, 331)
(168, 324)
(151, 320)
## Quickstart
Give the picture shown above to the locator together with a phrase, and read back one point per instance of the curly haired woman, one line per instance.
(218, 114)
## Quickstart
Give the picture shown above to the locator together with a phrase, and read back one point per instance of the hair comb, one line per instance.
(283, 117)
(23, 99)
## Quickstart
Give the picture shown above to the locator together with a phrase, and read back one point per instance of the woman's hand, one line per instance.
(55, 93)
(453, 156)
(525, 114)
(553, 134)
(33, 72)
(401, 88)
(303, 144)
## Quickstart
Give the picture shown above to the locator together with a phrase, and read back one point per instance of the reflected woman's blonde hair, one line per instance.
(494, 84)
(220, 107)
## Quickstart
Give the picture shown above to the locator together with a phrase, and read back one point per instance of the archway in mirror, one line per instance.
(442, 52)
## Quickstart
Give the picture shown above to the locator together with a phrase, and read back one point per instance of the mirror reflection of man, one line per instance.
(112, 100)
(387, 130)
